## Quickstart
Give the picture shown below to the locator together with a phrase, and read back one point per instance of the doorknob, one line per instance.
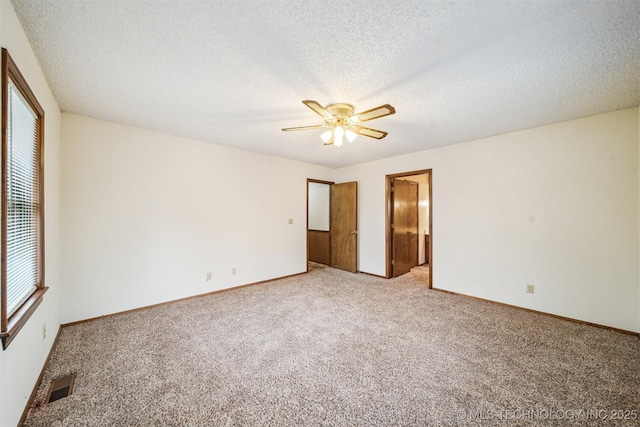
(409, 232)
(354, 232)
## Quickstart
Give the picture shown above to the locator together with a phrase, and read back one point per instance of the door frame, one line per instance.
(389, 215)
(306, 232)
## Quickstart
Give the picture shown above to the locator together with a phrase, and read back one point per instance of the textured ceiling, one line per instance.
(235, 72)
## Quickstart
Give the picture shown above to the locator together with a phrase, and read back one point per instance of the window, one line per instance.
(22, 195)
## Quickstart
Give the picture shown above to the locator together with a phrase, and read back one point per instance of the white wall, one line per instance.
(147, 215)
(319, 195)
(20, 364)
(555, 206)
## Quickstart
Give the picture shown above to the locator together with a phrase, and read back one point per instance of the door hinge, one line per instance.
(392, 225)
(393, 262)
(393, 189)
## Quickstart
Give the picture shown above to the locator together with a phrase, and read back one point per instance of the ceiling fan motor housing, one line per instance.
(341, 109)
(341, 112)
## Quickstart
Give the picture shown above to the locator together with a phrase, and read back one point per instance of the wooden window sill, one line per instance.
(20, 317)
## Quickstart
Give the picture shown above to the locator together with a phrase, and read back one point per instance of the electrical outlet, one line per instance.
(208, 276)
(529, 289)
(44, 331)
(233, 271)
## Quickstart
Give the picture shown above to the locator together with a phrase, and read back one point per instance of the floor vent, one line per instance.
(61, 387)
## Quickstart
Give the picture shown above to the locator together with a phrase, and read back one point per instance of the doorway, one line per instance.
(332, 233)
(409, 241)
(318, 222)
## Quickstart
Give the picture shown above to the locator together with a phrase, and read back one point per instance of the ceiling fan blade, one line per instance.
(304, 128)
(318, 109)
(374, 113)
(371, 133)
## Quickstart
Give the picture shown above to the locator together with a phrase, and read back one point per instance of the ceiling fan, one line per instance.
(340, 121)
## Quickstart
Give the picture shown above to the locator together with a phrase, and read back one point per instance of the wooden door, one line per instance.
(344, 226)
(404, 226)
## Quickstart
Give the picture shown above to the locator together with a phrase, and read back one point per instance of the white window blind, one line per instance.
(23, 201)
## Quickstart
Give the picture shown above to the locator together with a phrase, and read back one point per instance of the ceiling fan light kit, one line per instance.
(341, 122)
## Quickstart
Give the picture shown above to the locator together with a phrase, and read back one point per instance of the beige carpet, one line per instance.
(338, 349)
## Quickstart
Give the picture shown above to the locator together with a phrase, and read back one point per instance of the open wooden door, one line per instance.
(344, 226)
(404, 226)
